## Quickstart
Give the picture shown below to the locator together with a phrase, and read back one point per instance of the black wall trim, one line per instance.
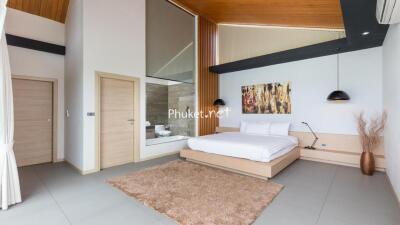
(358, 16)
(35, 45)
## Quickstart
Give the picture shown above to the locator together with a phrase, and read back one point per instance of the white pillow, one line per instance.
(279, 129)
(260, 128)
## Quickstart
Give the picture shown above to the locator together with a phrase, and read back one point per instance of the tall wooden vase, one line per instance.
(367, 163)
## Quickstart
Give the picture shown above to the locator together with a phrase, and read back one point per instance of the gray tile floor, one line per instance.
(314, 194)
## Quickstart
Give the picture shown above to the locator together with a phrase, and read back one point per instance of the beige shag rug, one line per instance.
(193, 194)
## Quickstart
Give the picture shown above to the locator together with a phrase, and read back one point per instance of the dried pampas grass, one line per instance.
(370, 134)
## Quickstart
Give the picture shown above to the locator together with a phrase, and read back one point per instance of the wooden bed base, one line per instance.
(243, 166)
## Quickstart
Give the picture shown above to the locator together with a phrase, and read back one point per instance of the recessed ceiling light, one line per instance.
(365, 33)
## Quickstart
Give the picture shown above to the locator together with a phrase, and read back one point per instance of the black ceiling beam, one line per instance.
(34, 44)
(358, 17)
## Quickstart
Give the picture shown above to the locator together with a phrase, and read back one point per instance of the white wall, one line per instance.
(74, 84)
(236, 42)
(312, 81)
(391, 103)
(113, 42)
(105, 37)
(36, 63)
(34, 27)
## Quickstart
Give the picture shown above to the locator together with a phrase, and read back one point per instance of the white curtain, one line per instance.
(10, 192)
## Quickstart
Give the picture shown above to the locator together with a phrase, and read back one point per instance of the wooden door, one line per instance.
(117, 128)
(33, 115)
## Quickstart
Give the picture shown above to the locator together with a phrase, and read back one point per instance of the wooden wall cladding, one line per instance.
(208, 82)
(51, 9)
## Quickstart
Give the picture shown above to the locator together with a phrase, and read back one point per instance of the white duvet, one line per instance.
(248, 146)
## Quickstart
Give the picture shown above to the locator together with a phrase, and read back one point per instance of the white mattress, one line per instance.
(246, 146)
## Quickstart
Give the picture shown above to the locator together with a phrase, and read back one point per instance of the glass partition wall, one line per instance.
(167, 105)
(170, 86)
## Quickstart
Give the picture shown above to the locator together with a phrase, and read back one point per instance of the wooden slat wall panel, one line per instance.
(51, 9)
(208, 83)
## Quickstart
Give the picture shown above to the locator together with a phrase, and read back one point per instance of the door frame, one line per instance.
(136, 114)
(54, 82)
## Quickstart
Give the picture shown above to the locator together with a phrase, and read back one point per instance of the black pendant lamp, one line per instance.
(338, 95)
(219, 102)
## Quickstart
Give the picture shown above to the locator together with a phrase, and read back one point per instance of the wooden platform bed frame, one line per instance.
(242, 166)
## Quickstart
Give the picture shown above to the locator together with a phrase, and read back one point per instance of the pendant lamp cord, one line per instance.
(337, 70)
(337, 65)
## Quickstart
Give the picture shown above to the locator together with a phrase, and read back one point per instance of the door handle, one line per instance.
(131, 120)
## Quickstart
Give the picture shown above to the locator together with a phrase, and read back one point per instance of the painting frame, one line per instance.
(269, 98)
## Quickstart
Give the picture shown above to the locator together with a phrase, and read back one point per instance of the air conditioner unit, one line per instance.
(388, 11)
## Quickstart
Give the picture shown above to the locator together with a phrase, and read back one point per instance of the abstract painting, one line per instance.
(272, 98)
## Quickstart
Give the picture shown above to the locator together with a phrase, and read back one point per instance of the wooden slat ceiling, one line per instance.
(294, 13)
(51, 9)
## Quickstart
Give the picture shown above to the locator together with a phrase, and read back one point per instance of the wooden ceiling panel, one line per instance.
(294, 13)
(51, 9)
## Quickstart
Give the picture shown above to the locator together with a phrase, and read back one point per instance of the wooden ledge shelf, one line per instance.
(339, 157)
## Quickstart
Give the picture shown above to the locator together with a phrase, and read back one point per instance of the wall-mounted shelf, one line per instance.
(339, 158)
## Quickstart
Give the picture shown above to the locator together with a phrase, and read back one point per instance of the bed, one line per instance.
(261, 156)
